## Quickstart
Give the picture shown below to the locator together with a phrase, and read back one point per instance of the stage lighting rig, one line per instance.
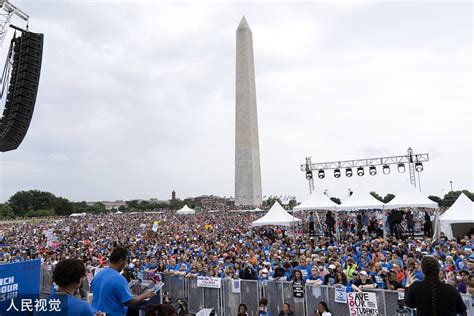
(414, 162)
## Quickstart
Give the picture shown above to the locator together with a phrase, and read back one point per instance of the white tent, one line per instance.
(360, 201)
(411, 197)
(78, 214)
(185, 211)
(276, 216)
(118, 212)
(252, 211)
(461, 212)
(316, 201)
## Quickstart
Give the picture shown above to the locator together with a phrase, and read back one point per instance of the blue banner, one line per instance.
(17, 281)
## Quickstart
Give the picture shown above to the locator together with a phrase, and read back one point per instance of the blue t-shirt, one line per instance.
(74, 306)
(110, 292)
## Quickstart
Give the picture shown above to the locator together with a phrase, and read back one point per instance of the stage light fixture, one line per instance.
(337, 173)
(372, 170)
(418, 167)
(401, 167)
(360, 171)
(386, 169)
(321, 174)
(349, 172)
(309, 175)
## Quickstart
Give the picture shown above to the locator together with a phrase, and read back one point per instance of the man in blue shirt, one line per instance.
(110, 289)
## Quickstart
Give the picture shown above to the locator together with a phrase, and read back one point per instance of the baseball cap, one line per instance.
(331, 266)
(363, 273)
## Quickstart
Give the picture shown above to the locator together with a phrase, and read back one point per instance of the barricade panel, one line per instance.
(296, 304)
(195, 296)
(230, 300)
(249, 295)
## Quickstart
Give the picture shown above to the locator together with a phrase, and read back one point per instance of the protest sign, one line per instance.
(236, 286)
(362, 303)
(340, 295)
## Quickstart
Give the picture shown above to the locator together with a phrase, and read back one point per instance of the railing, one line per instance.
(225, 301)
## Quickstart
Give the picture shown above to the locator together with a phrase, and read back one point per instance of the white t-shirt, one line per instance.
(326, 314)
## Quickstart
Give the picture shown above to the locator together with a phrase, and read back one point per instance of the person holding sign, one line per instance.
(431, 297)
(298, 284)
(363, 283)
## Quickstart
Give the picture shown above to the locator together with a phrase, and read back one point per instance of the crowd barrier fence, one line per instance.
(225, 300)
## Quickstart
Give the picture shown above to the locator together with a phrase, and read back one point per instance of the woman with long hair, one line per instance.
(243, 310)
(322, 310)
(431, 297)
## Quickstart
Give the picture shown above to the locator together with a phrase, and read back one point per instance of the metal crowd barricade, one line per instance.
(338, 308)
(314, 294)
(296, 304)
(249, 295)
(174, 285)
(273, 292)
(380, 296)
(46, 278)
(469, 302)
(200, 297)
(229, 299)
(195, 296)
(391, 302)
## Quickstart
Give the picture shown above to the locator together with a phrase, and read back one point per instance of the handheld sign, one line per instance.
(340, 295)
(362, 303)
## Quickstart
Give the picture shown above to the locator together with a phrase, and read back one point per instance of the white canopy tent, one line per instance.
(78, 214)
(276, 216)
(316, 201)
(252, 211)
(458, 218)
(411, 197)
(186, 211)
(360, 201)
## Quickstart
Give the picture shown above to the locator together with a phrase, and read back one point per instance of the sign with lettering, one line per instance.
(214, 283)
(17, 281)
(362, 303)
(340, 295)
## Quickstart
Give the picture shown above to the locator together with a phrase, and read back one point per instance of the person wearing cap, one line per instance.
(363, 283)
(330, 278)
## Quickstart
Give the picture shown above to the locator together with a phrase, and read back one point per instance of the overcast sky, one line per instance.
(137, 99)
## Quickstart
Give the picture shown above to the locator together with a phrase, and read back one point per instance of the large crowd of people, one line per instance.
(225, 245)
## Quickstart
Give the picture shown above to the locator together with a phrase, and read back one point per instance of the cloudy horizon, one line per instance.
(138, 99)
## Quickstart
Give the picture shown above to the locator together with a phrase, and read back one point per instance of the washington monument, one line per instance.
(248, 182)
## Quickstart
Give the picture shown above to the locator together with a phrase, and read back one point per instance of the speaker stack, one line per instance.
(22, 90)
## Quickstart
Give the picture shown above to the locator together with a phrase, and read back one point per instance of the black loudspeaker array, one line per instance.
(22, 90)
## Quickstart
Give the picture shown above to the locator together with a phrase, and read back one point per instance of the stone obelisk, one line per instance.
(248, 182)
